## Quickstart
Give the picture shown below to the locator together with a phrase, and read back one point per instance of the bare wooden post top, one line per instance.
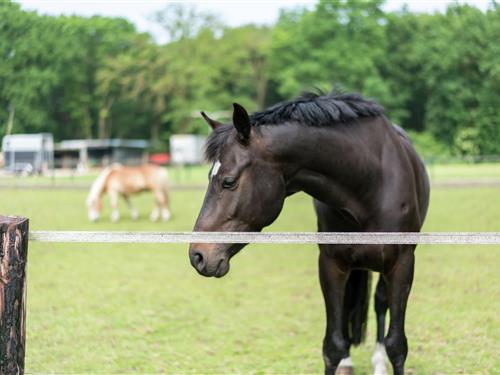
(13, 258)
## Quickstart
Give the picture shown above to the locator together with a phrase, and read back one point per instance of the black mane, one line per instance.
(318, 110)
(310, 109)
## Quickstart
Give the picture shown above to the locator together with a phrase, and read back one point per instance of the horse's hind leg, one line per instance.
(162, 203)
(333, 281)
(399, 281)
(379, 356)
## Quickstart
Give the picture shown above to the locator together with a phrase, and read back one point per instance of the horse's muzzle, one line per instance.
(208, 265)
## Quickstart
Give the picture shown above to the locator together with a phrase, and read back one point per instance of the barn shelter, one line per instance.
(86, 153)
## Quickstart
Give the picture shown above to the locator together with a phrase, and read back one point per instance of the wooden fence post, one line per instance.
(13, 257)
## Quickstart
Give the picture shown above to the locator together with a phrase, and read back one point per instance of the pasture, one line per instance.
(113, 308)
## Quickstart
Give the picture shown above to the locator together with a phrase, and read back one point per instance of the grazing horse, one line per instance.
(118, 180)
(364, 176)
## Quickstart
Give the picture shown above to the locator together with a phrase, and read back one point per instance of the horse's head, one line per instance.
(94, 206)
(246, 190)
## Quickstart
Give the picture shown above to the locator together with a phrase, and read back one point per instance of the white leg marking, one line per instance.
(134, 214)
(115, 216)
(165, 214)
(345, 362)
(93, 214)
(155, 214)
(113, 198)
(379, 360)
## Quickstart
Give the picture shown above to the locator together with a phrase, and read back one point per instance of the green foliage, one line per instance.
(28, 68)
(49, 72)
(436, 74)
(427, 145)
(338, 43)
(466, 142)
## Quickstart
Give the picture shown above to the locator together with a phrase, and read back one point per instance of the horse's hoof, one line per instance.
(155, 215)
(380, 370)
(345, 370)
(165, 215)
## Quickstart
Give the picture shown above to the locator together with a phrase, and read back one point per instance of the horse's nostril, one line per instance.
(198, 260)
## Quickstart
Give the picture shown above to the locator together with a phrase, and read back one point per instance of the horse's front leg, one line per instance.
(335, 345)
(399, 281)
(379, 357)
(113, 199)
(134, 214)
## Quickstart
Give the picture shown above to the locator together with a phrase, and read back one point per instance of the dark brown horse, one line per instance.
(364, 176)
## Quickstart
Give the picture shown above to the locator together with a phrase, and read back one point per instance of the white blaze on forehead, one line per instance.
(215, 169)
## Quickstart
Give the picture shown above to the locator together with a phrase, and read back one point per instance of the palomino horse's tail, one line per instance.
(100, 182)
(357, 297)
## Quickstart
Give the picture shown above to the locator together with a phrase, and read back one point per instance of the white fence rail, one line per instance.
(459, 238)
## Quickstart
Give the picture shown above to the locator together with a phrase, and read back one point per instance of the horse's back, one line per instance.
(156, 175)
(129, 180)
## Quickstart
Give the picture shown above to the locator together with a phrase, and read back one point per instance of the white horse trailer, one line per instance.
(28, 153)
(186, 149)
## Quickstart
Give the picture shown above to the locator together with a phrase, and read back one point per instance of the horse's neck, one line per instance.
(98, 187)
(327, 163)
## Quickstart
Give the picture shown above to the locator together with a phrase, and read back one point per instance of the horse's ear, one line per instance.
(213, 124)
(241, 121)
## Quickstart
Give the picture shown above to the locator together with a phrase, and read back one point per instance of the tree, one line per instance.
(28, 73)
(437, 74)
(87, 43)
(339, 43)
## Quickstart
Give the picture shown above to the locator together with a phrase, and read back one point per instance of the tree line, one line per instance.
(437, 75)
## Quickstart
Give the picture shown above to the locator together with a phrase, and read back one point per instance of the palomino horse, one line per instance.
(364, 176)
(118, 180)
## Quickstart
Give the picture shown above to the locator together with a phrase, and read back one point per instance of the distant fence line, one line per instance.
(358, 238)
(180, 187)
(471, 159)
(86, 187)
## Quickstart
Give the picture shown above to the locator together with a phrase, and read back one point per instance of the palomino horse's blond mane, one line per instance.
(97, 187)
(118, 180)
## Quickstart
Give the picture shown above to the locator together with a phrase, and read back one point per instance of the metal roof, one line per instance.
(77, 144)
(27, 142)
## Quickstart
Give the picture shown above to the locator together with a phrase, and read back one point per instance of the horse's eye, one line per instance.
(229, 183)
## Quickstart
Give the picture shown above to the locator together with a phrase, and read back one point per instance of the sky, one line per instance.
(233, 13)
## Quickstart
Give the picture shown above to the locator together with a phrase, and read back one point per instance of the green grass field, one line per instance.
(95, 308)
(464, 172)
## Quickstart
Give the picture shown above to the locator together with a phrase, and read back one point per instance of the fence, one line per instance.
(458, 238)
(14, 246)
